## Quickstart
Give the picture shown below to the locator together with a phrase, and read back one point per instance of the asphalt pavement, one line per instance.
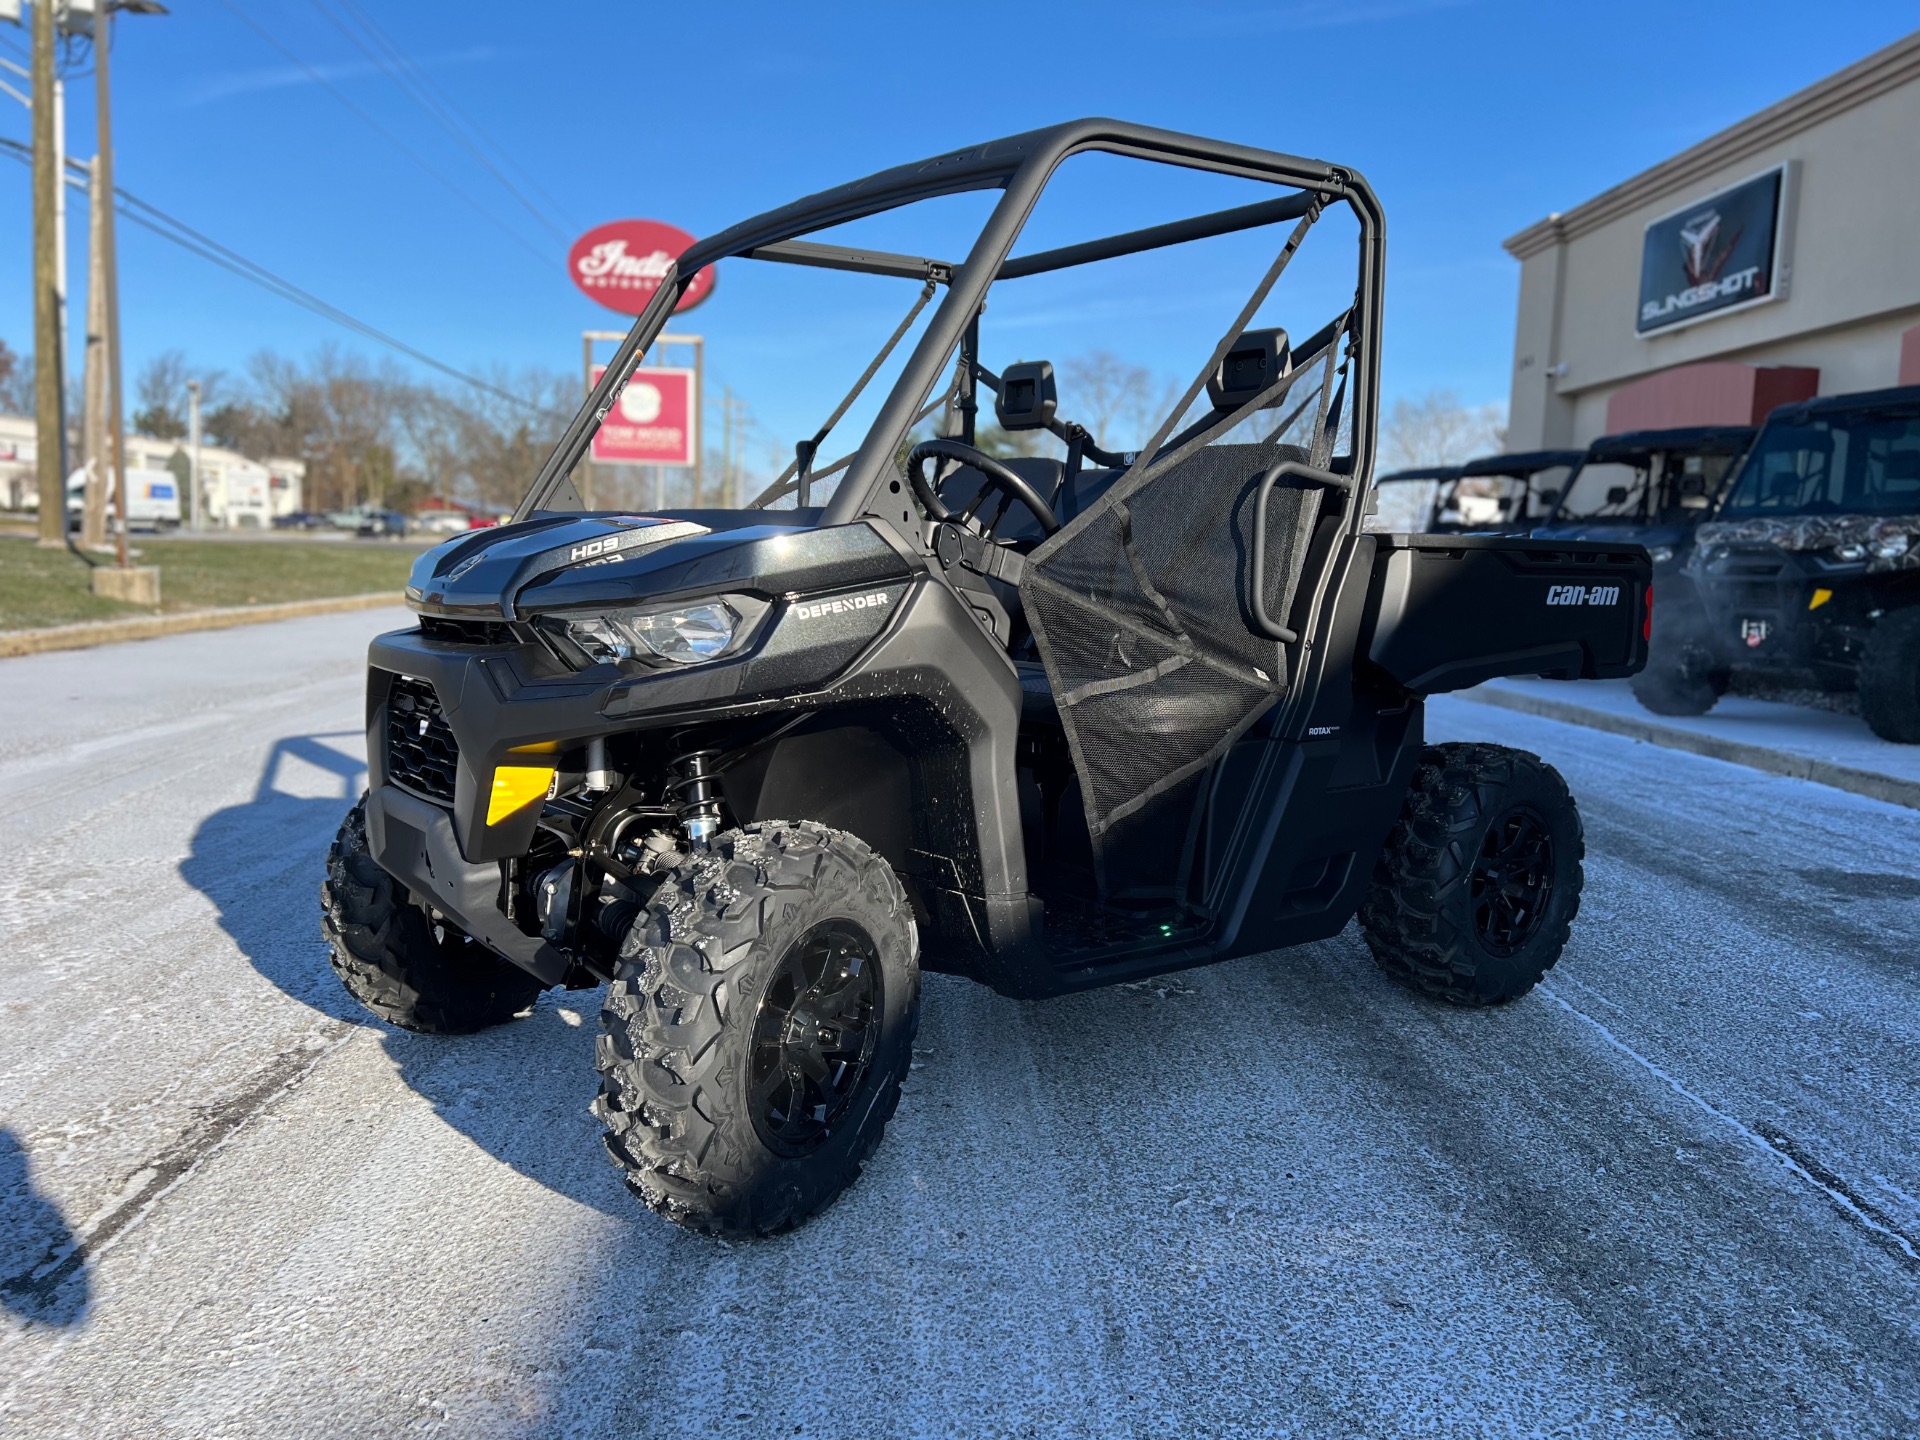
(1674, 1192)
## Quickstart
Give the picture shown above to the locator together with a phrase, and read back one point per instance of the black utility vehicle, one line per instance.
(1411, 500)
(1049, 723)
(1516, 492)
(1493, 495)
(1651, 488)
(1810, 569)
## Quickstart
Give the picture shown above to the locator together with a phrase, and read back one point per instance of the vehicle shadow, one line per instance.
(43, 1272)
(520, 1091)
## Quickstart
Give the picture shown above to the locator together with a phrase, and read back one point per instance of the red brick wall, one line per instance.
(1714, 393)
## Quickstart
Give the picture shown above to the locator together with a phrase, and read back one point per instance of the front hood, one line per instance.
(563, 561)
(1822, 532)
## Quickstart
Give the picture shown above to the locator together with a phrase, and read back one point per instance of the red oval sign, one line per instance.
(621, 264)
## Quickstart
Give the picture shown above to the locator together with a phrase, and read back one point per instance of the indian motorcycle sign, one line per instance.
(622, 263)
(1717, 254)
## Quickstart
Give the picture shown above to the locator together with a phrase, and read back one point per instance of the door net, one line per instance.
(1142, 616)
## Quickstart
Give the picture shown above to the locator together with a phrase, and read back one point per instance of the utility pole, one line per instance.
(93, 385)
(49, 402)
(726, 447)
(193, 452)
(103, 179)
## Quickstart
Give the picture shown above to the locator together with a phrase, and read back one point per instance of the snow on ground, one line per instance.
(1674, 1192)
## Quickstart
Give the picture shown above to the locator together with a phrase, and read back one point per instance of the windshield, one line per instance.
(1855, 462)
(1662, 488)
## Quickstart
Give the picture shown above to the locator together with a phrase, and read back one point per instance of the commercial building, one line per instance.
(237, 492)
(1776, 260)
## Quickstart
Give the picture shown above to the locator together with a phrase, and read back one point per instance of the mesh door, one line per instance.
(1140, 608)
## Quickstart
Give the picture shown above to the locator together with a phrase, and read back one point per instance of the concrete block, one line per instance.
(137, 584)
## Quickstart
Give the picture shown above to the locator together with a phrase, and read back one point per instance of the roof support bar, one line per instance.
(867, 262)
(1175, 232)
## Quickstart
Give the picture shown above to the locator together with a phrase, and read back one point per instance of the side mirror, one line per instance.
(1693, 483)
(1548, 496)
(1027, 397)
(1617, 494)
(1257, 359)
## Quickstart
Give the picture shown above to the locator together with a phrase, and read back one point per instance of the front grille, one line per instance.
(467, 632)
(421, 751)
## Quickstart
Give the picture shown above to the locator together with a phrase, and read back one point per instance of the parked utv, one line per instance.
(1409, 501)
(1809, 571)
(1493, 495)
(1651, 488)
(1048, 722)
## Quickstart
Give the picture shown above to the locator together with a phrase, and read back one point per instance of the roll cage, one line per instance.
(1021, 167)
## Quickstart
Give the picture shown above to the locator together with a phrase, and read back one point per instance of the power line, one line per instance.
(396, 66)
(151, 217)
(427, 82)
(391, 138)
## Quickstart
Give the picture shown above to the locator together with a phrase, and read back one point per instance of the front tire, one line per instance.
(1474, 894)
(1890, 678)
(757, 1028)
(398, 961)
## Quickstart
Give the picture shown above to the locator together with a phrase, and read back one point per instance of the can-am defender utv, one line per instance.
(1810, 569)
(1049, 723)
(1648, 487)
(1493, 495)
(1410, 500)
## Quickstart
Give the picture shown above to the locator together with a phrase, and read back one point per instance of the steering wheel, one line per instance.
(998, 477)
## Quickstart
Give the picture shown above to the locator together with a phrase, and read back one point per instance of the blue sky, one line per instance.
(1471, 120)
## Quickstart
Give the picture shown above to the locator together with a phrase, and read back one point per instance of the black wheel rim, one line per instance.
(814, 1037)
(1512, 881)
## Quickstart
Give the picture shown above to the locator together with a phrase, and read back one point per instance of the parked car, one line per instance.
(379, 524)
(300, 520)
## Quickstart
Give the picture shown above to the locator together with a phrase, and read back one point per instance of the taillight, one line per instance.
(1646, 630)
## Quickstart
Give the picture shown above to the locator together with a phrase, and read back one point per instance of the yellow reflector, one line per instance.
(1820, 597)
(515, 787)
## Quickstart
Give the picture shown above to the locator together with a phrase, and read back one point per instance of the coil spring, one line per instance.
(695, 805)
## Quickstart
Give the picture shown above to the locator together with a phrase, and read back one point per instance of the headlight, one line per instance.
(1660, 554)
(686, 635)
(1849, 553)
(1890, 547)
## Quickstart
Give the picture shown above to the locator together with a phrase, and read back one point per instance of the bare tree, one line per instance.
(1121, 404)
(1437, 429)
(16, 381)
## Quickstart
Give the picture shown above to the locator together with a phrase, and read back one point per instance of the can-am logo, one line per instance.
(843, 606)
(1583, 595)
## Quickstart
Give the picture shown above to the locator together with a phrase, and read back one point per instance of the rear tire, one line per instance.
(757, 1028)
(1680, 681)
(1475, 891)
(395, 959)
(1890, 678)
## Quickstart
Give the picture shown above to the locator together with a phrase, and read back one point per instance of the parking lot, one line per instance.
(1676, 1191)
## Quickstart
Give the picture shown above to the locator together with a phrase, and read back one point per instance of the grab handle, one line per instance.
(1306, 477)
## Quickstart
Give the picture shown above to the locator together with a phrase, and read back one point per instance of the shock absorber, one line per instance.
(696, 805)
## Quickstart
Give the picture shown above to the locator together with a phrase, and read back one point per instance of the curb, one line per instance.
(150, 627)
(1874, 786)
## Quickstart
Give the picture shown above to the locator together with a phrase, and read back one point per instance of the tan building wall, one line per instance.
(1851, 269)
